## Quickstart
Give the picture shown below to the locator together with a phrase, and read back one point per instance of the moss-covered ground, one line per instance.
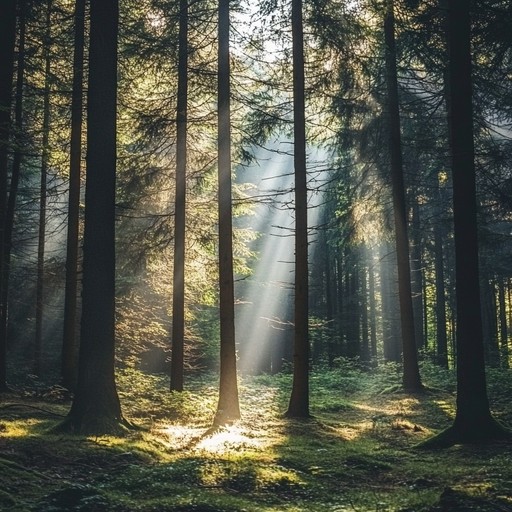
(356, 454)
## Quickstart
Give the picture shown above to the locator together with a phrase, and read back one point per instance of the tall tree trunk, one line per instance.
(353, 311)
(329, 306)
(228, 408)
(365, 340)
(473, 421)
(389, 307)
(7, 41)
(42, 196)
(68, 364)
(299, 400)
(489, 320)
(417, 276)
(178, 284)
(340, 301)
(96, 408)
(440, 309)
(426, 329)
(16, 171)
(503, 324)
(411, 375)
(373, 313)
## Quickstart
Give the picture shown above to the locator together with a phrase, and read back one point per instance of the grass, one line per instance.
(356, 453)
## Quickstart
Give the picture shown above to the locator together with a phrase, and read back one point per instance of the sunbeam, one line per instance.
(265, 312)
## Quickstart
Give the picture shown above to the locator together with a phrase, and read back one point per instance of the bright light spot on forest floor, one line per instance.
(232, 438)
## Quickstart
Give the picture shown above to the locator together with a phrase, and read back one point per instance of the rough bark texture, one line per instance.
(411, 376)
(96, 408)
(69, 342)
(228, 408)
(178, 284)
(7, 40)
(299, 399)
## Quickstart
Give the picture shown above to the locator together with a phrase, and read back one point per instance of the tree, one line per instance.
(411, 375)
(43, 194)
(228, 408)
(473, 420)
(440, 307)
(7, 41)
(16, 169)
(68, 362)
(96, 407)
(178, 283)
(298, 406)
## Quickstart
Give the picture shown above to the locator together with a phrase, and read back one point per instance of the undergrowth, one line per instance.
(355, 454)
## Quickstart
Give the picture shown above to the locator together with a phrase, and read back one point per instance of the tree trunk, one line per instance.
(329, 306)
(373, 313)
(96, 408)
(440, 309)
(389, 307)
(42, 196)
(68, 365)
(365, 340)
(411, 375)
(417, 277)
(16, 170)
(178, 284)
(228, 408)
(503, 324)
(299, 400)
(489, 321)
(352, 310)
(7, 41)
(473, 421)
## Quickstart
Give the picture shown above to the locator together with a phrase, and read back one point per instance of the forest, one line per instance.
(255, 256)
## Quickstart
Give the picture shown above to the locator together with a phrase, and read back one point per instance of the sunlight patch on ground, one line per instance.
(447, 407)
(178, 437)
(18, 428)
(226, 439)
(352, 431)
(232, 438)
(390, 415)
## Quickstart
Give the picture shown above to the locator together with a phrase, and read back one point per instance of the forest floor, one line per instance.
(358, 452)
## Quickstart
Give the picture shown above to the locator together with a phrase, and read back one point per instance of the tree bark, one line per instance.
(373, 313)
(16, 171)
(298, 406)
(440, 309)
(41, 240)
(7, 42)
(96, 408)
(365, 340)
(489, 320)
(473, 421)
(411, 375)
(504, 352)
(417, 276)
(69, 342)
(178, 285)
(228, 408)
